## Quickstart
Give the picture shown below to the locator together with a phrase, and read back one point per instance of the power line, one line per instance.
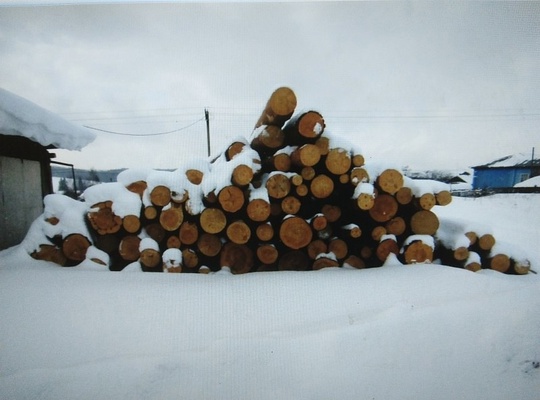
(145, 134)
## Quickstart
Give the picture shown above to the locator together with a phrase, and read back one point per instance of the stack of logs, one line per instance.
(321, 207)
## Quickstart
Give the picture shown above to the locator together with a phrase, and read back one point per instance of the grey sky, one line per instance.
(424, 84)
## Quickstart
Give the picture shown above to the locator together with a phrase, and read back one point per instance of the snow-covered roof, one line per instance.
(515, 160)
(532, 182)
(20, 117)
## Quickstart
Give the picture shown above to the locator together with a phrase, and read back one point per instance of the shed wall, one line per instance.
(499, 177)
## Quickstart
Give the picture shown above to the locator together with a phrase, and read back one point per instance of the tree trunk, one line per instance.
(278, 186)
(316, 247)
(264, 232)
(171, 218)
(390, 181)
(306, 156)
(418, 252)
(324, 262)
(267, 253)
(242, 175)
(258, 210)
(49, 252)
(268, 140)
(103, 219)
(131, 223)
(321, 186)
(424, 223)
(160, 196)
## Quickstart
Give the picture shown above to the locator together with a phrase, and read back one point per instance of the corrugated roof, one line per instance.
(514, 160)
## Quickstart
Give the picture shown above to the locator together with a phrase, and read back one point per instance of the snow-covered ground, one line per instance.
(395, 332)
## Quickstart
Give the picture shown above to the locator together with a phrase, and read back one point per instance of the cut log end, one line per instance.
(295, 233)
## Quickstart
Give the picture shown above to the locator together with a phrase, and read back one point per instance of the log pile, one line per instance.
(291, 197)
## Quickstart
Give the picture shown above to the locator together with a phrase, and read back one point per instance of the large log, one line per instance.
(338, 161)
(238, 232)
(306, 156)
(188, 233)
(418, 252)
(264, 232)
(384, 208)
(171, 218)
(258, 210)
(129, 248)
(424, 223)
(237, 257)
(267, 253)
(316, 247)
(279, 108)
(295, 233)
(160, 195)
(321, 186)
(74, 247)
(304, 128)
(278, 186)
(267, 139)
(209, 244)
(103, 219)
(49, 252)
(213, 220)
(390, 181)
(231, 198)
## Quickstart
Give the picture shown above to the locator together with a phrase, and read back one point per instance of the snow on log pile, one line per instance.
(291, 197)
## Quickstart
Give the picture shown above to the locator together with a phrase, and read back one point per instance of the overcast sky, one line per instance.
(420, 84)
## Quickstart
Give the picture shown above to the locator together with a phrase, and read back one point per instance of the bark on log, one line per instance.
(295, 233)
(279, 108)
(238, 257)
(212, 220)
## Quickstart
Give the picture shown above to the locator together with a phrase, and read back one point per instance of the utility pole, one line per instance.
(207, 117)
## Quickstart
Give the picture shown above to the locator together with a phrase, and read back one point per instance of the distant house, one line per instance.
(27, 132)
(506, 172)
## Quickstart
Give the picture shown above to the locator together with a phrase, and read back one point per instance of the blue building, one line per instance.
(506, 172)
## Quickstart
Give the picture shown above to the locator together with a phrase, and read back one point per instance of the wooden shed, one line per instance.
(506, 172)
(27, 132)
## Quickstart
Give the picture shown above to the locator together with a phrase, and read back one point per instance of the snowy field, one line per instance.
(395, 332)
